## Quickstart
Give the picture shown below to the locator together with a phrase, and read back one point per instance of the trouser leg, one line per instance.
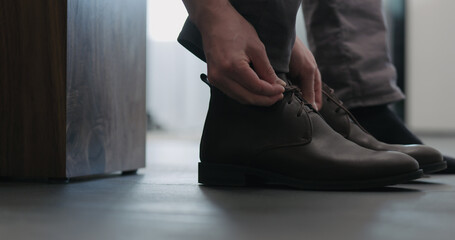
(348, 40)
(273, 20)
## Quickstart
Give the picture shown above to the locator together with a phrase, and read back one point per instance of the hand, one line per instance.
(304, 72)
(237, 61)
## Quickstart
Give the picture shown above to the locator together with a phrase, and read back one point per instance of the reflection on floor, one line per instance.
(165, 202)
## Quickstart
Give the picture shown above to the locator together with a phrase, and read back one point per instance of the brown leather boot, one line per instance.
(342, 121)
(290, 144)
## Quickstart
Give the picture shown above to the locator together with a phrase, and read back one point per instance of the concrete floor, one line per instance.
(165, 202)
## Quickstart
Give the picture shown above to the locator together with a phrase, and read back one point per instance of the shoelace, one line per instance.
(295, 91)
(340, 103)
(331, 97)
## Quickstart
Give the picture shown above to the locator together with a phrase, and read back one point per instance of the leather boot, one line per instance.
(290, 144)
(343, 122)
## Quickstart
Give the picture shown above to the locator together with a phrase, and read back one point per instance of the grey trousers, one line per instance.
(347, 38)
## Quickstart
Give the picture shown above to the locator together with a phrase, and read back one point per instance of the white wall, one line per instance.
(300, 28)
(176, 97)
(430, 65)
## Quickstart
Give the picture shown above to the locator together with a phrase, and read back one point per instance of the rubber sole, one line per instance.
(231, 175)
(434, 167)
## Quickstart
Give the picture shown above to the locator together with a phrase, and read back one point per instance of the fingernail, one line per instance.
(315, 106)
(281, 82)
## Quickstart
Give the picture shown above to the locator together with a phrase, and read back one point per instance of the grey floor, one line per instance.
(165, 202)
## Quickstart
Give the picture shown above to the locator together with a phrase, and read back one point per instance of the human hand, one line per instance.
(237, 61)
(304, 72)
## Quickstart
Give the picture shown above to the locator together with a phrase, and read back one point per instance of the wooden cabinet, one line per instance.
(72, 87)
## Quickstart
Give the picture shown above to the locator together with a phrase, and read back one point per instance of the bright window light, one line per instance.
(165, 19)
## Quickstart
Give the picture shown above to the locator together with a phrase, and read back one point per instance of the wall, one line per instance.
(430, 59)
(176, 98)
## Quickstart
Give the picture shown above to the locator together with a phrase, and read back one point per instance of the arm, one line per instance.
(232, 46)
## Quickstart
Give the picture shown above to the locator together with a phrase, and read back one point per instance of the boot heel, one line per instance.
(221, 174)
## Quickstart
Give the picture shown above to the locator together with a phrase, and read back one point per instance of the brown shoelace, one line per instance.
(331, 97)
(295, 91)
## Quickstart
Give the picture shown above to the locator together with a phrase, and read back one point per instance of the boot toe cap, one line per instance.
(423, 154)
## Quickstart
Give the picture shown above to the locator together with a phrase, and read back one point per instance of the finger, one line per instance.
(243, 95)
(245, 76)
(318, 90)
(307, 87)
(262, 66)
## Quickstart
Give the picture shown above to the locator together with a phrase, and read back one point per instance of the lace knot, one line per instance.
(294, 91)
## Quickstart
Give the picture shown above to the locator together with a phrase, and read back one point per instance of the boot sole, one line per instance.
(231, 175)
(434, 167)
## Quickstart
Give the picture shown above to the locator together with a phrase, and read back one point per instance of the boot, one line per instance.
(343, 122)
(290, 144)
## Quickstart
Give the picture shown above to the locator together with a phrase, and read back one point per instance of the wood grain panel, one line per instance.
(32, 88)
(72, 87)
(106, 121)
